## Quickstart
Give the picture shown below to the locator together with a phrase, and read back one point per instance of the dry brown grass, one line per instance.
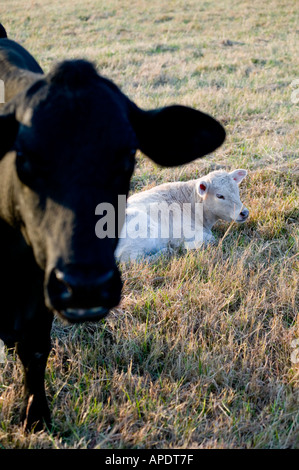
(198, 354)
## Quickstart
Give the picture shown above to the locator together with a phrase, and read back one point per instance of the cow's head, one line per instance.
(74, 136)
(220, 192)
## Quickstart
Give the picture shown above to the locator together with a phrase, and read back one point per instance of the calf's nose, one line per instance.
(244, 213)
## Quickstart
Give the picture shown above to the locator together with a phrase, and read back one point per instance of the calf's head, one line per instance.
(71, 139)
(220, 193)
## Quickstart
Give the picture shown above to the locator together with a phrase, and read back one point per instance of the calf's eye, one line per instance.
(220, 196)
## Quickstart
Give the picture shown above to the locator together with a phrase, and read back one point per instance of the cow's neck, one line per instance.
(8, 200)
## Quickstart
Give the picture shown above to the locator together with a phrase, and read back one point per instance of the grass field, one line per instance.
(201, 351)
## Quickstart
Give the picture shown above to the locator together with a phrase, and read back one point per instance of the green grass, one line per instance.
(198, 354)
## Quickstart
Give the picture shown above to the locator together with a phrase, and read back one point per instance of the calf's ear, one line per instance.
(9, 127)
(238, 175)
(202, 187)
(176, 134)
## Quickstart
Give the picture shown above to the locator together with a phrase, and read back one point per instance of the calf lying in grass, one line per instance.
(180, 213)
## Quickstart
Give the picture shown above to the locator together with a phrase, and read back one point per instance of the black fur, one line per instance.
(3, 33)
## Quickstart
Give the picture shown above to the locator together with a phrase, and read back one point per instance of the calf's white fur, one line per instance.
(161, 213)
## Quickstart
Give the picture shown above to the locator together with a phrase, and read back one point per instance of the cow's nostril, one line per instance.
(63, 289)
(57, 287)
(244, 213)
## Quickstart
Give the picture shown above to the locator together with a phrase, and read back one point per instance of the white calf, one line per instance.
(173, 214)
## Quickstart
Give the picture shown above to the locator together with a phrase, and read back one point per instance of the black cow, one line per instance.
(67, 143)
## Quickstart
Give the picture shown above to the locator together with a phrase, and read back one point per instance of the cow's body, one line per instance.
(179, 213)
(67, 143)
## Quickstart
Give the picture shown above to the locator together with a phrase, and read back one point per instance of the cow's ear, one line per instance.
(176, 134)
(202, 187)
(238, 175)
(9, 127)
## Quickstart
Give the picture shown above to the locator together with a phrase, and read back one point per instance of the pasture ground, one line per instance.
(201, 353)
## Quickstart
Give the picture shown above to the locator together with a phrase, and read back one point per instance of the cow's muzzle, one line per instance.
(243, 216)
(80, 297)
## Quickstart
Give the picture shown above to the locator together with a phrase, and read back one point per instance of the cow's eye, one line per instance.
(29, 168)
(24, 167)
(220, 196)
